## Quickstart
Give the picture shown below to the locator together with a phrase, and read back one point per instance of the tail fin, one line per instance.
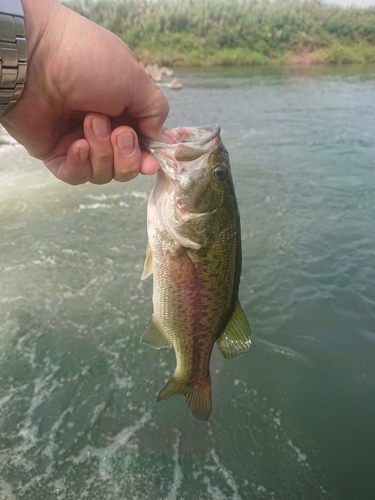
(198, 397)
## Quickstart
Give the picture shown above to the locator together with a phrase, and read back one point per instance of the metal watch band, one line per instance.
(13, 54)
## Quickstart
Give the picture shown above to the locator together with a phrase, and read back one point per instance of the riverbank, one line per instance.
(237, 32)
(336, 54)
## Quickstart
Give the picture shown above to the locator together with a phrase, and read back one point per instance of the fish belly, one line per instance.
(192, 302)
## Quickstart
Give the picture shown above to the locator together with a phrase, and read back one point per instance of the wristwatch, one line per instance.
(13, 54)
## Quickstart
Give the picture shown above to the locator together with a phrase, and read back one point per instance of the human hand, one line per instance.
(84, 99)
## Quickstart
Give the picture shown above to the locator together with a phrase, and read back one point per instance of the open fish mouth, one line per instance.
(183, 144)
(194, 136)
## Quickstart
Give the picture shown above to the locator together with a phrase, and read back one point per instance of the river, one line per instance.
(294, 418)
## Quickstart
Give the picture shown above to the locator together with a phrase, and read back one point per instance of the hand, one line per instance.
(84, 99)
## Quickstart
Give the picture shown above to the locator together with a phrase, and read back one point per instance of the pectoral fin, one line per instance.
(148, 265)
(154, 336)
(236, 337)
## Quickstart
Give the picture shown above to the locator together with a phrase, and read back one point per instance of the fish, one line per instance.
(194, 254)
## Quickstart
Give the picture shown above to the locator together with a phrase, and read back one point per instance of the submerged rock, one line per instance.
(156, 74)
(175, 84)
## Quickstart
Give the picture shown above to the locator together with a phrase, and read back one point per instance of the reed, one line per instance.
(187, 32)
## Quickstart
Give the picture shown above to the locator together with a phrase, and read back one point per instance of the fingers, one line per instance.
(97, 130)
(115, 155)
(74, 167)
(149, 165)
(127, 154)
(102, 156)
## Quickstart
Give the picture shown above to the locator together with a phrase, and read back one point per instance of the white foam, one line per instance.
(119, 441)
(125, 382)
(287, 351)
(227, 476)
(6, 491)
(214, 491)
(94, 206)
(4, 401)
(300, 456)
(6, 300)
(139, 194)
(177, 471)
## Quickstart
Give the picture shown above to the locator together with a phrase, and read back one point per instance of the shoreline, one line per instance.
(330, 56)
(297, 61)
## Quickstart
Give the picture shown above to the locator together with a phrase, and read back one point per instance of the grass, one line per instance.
(237, 32)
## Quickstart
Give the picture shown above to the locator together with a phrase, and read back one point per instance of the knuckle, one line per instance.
(126, 173)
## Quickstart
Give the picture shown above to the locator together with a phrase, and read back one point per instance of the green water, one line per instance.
(294, 418)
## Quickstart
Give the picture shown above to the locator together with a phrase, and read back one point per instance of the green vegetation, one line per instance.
(237, 32)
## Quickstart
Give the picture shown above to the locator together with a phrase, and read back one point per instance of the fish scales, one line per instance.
(194, 253)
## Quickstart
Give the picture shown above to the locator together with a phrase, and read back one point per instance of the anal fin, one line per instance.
(236, 337)
(154, 336)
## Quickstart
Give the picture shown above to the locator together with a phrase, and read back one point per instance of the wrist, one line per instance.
(37, 13)
(22, 27)
(13, 54)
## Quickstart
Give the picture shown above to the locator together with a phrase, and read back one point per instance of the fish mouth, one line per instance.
(183, 144)
(192, 136)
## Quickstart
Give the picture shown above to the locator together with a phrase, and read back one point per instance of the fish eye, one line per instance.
(221, 173)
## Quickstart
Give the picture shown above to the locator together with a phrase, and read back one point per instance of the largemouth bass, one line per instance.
(194, 253)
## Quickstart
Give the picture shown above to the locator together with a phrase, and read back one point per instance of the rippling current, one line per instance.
(294, 418)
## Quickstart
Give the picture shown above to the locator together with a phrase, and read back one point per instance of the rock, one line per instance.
(175, 84)
(166, 71)
(157, 73)
(154, 72)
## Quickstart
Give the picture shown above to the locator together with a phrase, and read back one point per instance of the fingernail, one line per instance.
(84, 153)
(100, 127)
(125, 143)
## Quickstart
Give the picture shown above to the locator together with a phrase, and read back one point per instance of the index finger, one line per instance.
(148, 105)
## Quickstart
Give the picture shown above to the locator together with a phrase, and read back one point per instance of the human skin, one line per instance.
(85, 98)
